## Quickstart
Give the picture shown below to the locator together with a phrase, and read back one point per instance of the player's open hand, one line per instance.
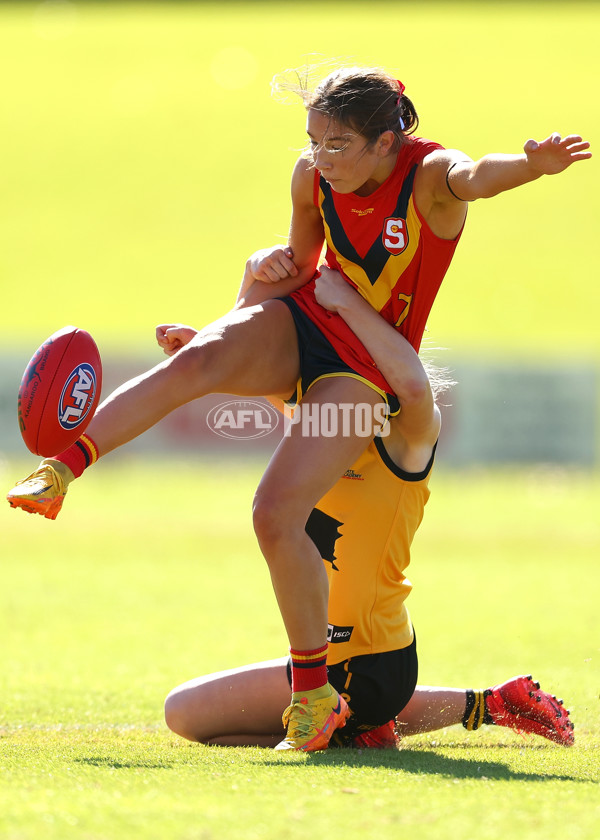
(172, 337)
(556, 153)
(270, 265)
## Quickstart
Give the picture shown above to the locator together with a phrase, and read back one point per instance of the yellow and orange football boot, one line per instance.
(312, 719)
(43, 491)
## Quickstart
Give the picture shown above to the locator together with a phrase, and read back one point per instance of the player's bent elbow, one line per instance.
(413, 392)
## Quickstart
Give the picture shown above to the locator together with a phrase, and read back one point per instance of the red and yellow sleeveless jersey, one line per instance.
(384, 247)
(363, 529)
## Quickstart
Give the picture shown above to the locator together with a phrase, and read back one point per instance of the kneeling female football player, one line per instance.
(363, 528)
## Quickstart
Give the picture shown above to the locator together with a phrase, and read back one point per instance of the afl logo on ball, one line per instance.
(77, 396)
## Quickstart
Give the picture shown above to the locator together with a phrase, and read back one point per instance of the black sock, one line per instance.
(476, 712)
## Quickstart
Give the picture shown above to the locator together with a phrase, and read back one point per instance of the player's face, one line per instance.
(344, 158)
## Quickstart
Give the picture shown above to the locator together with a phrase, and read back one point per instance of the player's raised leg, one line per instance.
(249, 352)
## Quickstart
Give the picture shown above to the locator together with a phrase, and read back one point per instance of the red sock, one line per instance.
(82, 454)
(309, 668)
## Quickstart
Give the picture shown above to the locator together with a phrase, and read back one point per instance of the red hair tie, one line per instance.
(402, 89)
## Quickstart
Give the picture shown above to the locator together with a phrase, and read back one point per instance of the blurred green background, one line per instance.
(144, 158)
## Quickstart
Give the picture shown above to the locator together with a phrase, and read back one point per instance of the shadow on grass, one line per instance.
(422, 762)
(416, 761)
(113, 764)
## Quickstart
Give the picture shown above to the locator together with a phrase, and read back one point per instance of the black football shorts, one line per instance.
(318, 357)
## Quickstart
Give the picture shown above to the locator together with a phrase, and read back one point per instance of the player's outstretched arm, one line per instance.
(495, 173)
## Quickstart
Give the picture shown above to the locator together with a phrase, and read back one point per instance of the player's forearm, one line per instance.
(393, 355)
(247, 282)
(257, 292)
(491, 175)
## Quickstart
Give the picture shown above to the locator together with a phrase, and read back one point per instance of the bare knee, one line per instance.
(190, 369)
(264, 519)
(276, 521)
(179, 717)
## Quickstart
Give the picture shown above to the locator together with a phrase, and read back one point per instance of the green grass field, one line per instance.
(143, 160)
(129, 593)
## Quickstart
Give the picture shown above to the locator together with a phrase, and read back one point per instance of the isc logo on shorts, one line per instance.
(77, 396)
(336, 634)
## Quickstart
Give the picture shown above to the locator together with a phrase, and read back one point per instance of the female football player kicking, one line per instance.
(391, 208)
(363, 528)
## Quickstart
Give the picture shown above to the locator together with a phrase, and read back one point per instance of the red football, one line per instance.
(59, 391)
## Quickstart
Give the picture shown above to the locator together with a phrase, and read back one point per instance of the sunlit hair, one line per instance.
(365, 99)
(440, 377)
